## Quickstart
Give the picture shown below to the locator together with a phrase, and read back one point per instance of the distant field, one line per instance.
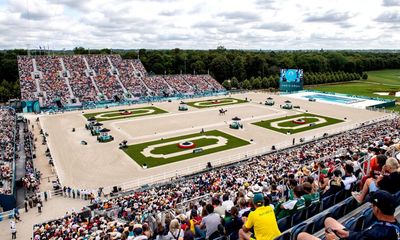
(286, 124)
(215, 102)
(389, 77)
(395, 108)
(378, 81)
(118, 114)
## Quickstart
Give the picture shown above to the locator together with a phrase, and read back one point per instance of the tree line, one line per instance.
(272, 82)
(224, 64)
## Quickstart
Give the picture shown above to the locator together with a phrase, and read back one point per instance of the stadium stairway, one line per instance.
(91, 77)
(116, 75)
(36, 80)
(169, 86)
(140, 77)
(66, 78)
(187, 83)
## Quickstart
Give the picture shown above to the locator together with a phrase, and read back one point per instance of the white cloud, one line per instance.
(391, 3)
(200, 24)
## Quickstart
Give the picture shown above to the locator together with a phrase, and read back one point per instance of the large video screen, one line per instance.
(291, 80)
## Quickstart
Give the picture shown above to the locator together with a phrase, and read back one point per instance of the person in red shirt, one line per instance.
(375, 169)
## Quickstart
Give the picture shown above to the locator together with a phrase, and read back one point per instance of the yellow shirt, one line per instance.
(264, 222)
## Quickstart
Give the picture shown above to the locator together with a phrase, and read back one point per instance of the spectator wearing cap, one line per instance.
(262, 220)
(383, 182)
(386, 227)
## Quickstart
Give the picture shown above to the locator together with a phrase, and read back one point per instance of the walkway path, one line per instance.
(41, 162)
(20, 166)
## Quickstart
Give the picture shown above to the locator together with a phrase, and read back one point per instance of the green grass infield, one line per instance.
(215, 102)
(135, 151)
(311, 118)
(117, 114)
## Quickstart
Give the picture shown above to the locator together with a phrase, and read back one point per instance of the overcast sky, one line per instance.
(201, 24)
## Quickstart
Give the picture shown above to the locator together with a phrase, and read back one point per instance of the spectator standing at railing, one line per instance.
(26, 204)
(16, 215)
(13, 229)
(39, 206)
(30, 202)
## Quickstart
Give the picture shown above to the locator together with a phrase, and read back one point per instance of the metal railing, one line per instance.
(7, 215)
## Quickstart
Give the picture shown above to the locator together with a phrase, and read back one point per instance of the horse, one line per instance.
(222, 111)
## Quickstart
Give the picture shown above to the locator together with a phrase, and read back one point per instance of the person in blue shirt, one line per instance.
(385, 228)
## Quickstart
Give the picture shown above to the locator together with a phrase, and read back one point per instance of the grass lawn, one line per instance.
(389, 77)
(378, 81)
(134, 151)
(221, 102)
(267, 124)
(395, 108)
(356, 88)
(113, 115)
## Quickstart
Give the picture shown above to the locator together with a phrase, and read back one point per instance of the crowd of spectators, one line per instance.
(106, 80)
(137, 64)
(198, 82)
(31, 180)
(179, 84)
(8, 128)
(80, 82)
(27, 83)
(52, 82)
(127, 76)
(76, 226)
(216, 86)
(53, 78)
(278, 184)
(158, 85)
